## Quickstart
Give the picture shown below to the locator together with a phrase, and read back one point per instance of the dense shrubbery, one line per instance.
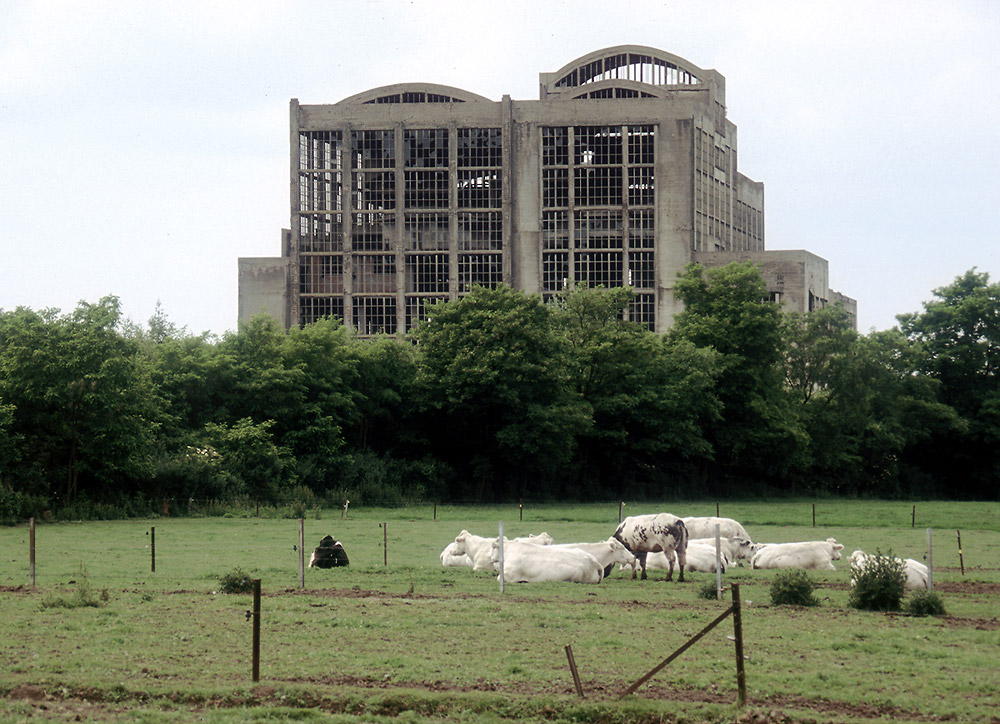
(925, 603)
(879, 583)
(236, 581)
(793, 588)
(502, 398)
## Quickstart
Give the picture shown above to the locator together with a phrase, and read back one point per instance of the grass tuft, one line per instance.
(83, 596)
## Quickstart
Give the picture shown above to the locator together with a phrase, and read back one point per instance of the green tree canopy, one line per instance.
(494, 382)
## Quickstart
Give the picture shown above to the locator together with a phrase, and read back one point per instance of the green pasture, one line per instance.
(396, 637)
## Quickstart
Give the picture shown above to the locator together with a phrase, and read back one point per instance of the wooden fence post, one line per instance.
(385, 544)
(814, 515)
(255, 665)
(152, 548)
(572, 668)
(961, 561)
(741, 676)
(302, 553)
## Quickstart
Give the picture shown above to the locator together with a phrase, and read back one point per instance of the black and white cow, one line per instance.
(329, 554)
(642, 534)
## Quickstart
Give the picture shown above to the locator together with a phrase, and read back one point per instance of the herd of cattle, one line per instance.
(658, 541)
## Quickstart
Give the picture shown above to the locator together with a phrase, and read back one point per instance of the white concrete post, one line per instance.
(718, 563)
(500, 544)
(930, 562)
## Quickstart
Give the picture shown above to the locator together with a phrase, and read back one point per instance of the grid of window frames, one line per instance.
(320, 225)
(713, 193)
(416, 309)
(598, 189)
(374, 213)
(422, 197)
(479, 198)
(312, 309)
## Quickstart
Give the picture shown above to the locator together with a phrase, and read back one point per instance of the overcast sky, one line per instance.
(144, 145)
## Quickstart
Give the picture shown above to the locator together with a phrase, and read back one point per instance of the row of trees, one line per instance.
(503, 397)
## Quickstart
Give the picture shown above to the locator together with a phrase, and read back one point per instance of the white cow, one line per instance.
(736, 549)
(530, 563)
(450, 557)
(817, 555)
(474, 551)
(477, 548)
(644, 534)
(700, 558)
(705, 527)
(916, 572)
(607, 552)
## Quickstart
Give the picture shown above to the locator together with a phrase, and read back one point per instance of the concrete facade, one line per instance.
(622, 173)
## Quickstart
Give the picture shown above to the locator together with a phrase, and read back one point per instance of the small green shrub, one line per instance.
(879, 583)
(925, 603)
(793, 588)
(236, 581)
(708, 591)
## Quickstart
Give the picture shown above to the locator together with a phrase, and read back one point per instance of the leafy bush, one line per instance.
(879, 583)
(793, 588)
(925, 603)
(236, 581)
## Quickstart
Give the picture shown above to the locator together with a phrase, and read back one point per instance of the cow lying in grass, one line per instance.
(816, 555)
(915, 571)
(475, 551)
(329, 554)
(530, 563)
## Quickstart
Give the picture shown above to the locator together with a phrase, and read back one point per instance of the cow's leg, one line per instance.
(670, 566)
(681, 564)
(641, 557)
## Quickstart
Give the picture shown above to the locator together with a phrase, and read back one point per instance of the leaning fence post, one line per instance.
(930, 562)
(741, 676)
(913, 517)
(302, 553)
(31, 549)
(255, 665)
(961, 561)
(572, 668)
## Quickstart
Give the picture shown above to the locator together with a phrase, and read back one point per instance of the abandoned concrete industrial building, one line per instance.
(622, 173)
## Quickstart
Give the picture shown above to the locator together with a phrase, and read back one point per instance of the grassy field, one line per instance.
(396, 637)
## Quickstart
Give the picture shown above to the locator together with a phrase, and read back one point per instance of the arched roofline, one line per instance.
(550, 80)
(576, 92)
(372, 94)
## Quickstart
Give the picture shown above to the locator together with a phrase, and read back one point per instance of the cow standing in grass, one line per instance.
(643, 534)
